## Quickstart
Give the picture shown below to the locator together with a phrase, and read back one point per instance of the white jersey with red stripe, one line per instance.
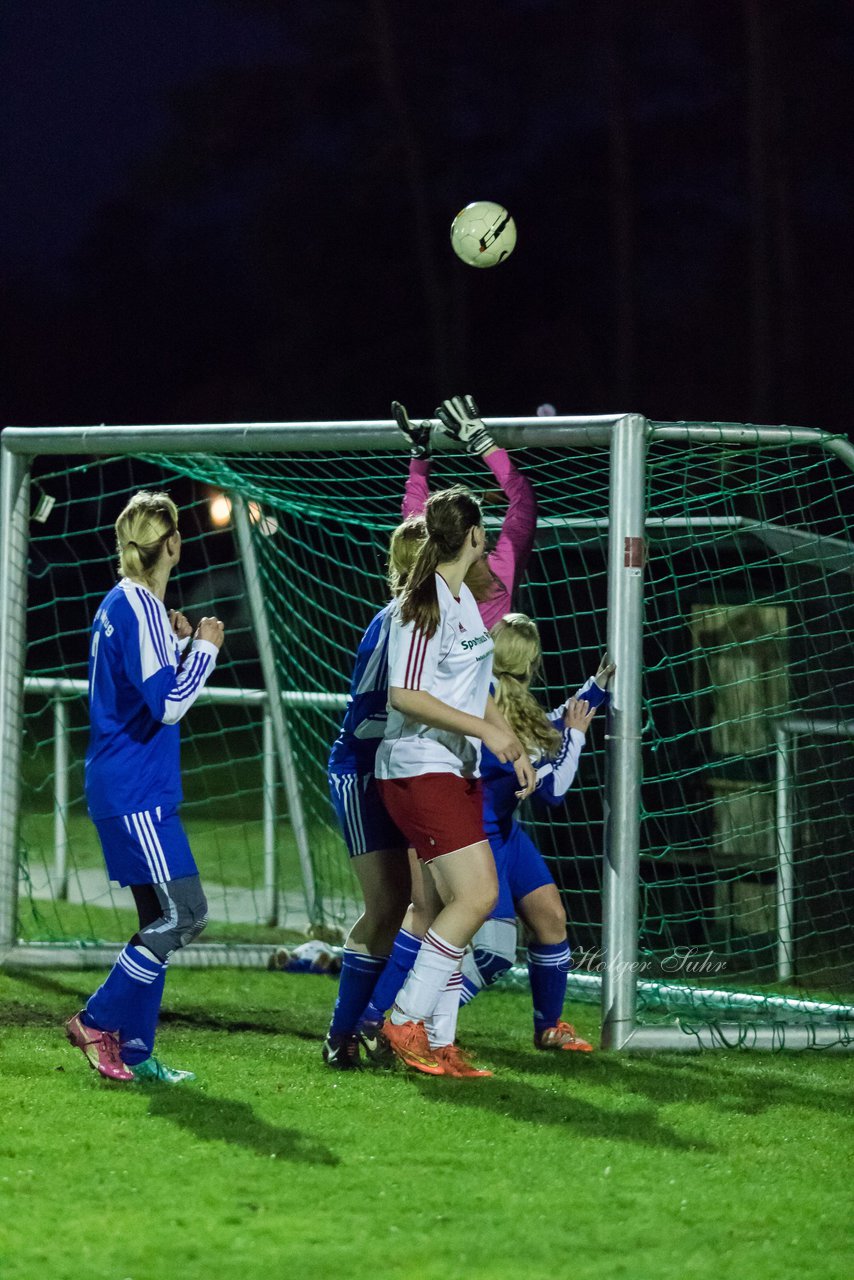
(455, 665)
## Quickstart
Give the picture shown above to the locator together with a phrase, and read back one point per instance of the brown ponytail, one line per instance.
(448, 516)
(141, 529)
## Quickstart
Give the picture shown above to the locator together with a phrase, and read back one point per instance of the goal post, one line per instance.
(670, 543)
(621, 874)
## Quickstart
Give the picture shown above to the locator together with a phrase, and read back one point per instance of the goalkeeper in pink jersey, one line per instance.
(494, 579)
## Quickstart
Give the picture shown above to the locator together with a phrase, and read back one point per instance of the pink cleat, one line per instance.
(99, 1048)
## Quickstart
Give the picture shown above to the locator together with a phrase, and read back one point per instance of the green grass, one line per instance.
(722, 1165)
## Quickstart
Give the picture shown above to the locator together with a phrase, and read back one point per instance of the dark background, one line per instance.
(240, 211)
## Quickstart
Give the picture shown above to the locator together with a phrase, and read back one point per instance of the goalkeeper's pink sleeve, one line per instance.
(516, 539)
(417, 490)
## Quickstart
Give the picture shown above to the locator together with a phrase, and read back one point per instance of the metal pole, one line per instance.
(784, 835)
(271, 863)
(266, 656)
(340, 437)
(60, 796)
(626, 555)
(14, 534)
(835, 1037)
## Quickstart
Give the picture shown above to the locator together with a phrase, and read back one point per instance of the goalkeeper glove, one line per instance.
(459, 418)
(418, 436)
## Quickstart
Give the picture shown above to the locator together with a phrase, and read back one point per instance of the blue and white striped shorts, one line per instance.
(362, 815)
(149, 847)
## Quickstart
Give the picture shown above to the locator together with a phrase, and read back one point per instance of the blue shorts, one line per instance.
(149, 847)
(521, 869)
(362, 815)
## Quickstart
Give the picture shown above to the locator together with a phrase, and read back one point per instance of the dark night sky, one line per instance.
(239, 211)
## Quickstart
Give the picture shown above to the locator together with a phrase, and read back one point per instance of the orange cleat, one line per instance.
(456, 1062)
(562, 1036)
(408, 1041)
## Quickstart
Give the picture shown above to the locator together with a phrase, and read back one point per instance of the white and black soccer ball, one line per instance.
(483, 234)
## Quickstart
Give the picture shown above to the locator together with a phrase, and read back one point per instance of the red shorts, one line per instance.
(437, 812)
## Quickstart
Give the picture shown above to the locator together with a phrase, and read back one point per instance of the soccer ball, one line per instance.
(483, 234)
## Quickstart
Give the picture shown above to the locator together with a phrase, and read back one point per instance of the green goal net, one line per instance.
(747, 811)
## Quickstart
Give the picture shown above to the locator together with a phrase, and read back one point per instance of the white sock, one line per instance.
(442, 1023)
(436, 961)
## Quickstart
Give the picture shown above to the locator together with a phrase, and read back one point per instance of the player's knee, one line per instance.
(385, 916)
(194, 918)
(183, 919)
(551, 925)
(545, 916)
(485, 901)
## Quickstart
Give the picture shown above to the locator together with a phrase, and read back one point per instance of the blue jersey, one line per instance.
(355, 748)
(555, 774)
(139, 688)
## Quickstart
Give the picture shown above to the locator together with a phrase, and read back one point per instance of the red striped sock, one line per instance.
(436, 961)
(442, 1023)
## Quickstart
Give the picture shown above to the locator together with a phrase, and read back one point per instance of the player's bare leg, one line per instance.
(467, 883)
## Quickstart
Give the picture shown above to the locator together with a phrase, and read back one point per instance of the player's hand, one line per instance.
(578, 715)
(417, 435)
(606, 670)
(460, 419)
(212, 630)
(503, 744)
(527, 775)
(180, 625)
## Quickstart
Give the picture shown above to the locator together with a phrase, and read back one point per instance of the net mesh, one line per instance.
(748, 612)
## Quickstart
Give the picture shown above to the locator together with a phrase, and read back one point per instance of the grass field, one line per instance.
(564, 1165)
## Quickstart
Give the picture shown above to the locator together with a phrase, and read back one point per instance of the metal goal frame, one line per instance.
(627, 436)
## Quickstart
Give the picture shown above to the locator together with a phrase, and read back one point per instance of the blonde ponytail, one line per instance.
(516, 658)
(403, 548)
(141, 529)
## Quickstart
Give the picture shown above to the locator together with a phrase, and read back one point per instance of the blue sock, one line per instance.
(402, 958)
(469, 991)
(548, 966)
(358, 978)
(128, 1001)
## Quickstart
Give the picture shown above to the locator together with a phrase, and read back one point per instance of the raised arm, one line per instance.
(417, 490)
(555, 777)
(594, 691)
(509, 559)
(460, 419)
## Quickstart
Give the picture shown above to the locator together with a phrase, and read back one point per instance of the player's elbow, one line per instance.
(172, 712)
